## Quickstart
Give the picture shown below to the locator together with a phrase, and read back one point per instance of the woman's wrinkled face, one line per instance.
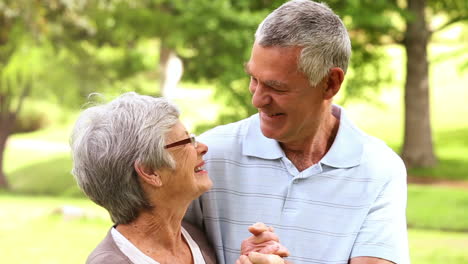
(189, 176)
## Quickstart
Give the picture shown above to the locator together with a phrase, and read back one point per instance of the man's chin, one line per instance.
(269, 132)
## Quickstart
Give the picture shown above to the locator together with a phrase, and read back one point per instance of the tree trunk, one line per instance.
(417, 147)
(4, 133)
(164, 53)
(170, 70)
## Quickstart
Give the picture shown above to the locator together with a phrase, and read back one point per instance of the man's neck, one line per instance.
(312, 149)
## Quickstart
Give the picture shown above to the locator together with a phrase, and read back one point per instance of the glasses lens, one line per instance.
(193, 139)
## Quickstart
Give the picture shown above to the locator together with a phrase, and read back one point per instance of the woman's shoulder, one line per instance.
(107, 258)
(200, 238)
(107, 252)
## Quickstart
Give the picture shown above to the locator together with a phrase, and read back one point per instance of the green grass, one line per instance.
(452, 149)
(36, 169)
(33, 232)
(435, 247)
(439, 208)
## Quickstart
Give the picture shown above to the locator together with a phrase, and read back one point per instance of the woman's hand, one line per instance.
(263, 240)
(262, 247)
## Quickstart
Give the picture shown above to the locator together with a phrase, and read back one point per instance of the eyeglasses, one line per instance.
(191, 140)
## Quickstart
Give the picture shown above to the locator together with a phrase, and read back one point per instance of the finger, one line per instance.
(255, 243)
(259, 258)
(243, 260)
(276, 249)
(282, 251)
(265, 236)
(271, 229)
(270, 249)
(258, 228)
(247, 246)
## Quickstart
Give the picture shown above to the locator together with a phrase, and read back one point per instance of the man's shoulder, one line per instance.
(377, 148)
(378, 156)
(370, 152)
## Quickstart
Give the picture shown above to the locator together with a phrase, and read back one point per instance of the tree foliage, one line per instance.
(64, 50)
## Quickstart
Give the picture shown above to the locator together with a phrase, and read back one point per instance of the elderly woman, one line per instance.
(134, 157)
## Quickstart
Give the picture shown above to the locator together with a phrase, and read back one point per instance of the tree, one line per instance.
(372, 24)
(417, 147)
(406, 23)
(15, 85)
(48, 48)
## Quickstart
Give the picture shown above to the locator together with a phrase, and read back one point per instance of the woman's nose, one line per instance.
(202, 148)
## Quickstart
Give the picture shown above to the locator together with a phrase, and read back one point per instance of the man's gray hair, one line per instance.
(106, 142)
(314, 27)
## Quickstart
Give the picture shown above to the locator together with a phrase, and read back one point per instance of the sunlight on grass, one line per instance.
(440, 208)
(33, 229)
(435, 247)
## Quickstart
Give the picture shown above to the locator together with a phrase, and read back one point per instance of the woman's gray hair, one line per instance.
(314, 27)
(106, 142)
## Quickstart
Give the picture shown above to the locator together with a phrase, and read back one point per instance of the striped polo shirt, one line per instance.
(352, 203)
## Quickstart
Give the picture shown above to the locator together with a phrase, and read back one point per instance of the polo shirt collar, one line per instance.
(347, 149)
(345, 152)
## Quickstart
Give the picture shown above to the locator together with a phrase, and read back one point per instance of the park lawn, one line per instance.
(33, 232)
(40, 170)
(436, 247)
(437, 208)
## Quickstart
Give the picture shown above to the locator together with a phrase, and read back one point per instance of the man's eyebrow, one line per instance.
(275, 84)
(271, 83)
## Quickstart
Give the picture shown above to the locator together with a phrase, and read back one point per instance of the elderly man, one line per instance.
(332, 193)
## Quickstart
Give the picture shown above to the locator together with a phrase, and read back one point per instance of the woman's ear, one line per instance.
(147, 175)
(333, 83)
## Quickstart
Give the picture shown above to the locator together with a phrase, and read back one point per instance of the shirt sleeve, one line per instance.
(384, 232)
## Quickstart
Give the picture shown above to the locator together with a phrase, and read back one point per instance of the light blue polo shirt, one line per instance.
(352, 203)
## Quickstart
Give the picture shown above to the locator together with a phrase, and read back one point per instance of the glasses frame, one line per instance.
(191, 139)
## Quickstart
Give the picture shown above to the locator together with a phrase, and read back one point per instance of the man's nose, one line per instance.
(260, 97)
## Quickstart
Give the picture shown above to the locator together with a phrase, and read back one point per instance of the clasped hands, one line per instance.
(262, 247)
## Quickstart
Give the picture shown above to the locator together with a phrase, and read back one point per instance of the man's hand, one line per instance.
(263, 240)
(369, 260)
(259, 258)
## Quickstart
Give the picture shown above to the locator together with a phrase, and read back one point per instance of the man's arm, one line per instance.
(369, 260)
(383, 237)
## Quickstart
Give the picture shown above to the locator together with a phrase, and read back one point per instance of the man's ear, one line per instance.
(147, 175)
(333, 83)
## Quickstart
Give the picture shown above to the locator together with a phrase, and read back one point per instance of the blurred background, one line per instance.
(407, 84)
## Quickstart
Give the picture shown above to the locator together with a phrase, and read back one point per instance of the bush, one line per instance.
(29, 122)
